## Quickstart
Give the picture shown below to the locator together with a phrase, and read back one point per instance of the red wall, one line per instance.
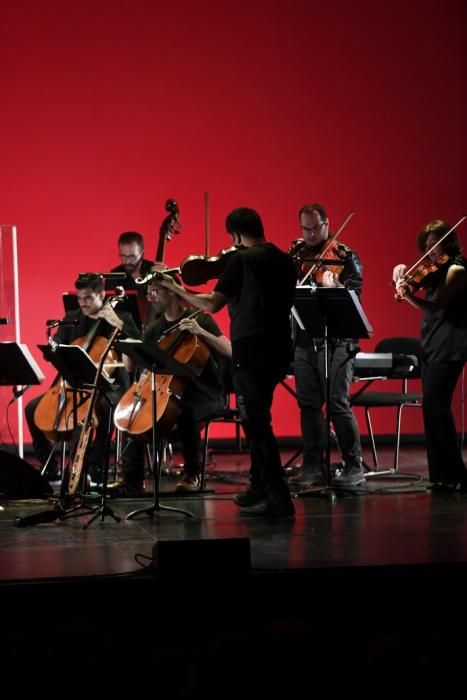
(110, 107)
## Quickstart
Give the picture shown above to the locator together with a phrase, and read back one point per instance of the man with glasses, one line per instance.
(309, 363)
(134, 265)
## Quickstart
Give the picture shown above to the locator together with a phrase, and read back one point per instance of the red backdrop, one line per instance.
(111, 106)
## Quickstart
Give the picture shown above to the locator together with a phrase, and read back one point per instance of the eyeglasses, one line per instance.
(130, 257)
(313, 229)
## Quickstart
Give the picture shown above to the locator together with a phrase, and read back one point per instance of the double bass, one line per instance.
(54, 412)
(133, 413)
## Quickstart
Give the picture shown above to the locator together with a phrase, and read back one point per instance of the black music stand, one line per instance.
(157, 361)
(330, 313)
(78, 369)
(17, 365)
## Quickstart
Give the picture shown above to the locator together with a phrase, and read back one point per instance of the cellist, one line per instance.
(200, 398)
(98, 318)
(309, 355)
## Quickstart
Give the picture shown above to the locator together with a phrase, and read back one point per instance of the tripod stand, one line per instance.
(158, 362)
(329, 313)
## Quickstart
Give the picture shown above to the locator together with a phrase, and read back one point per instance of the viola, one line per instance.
(54, 412)
(199, 269)
(133, 412)
(420, 276)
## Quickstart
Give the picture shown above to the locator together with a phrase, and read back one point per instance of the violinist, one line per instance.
(309, 356)
(90, 294)
(200, 399)
(258, 285)
(444, 347)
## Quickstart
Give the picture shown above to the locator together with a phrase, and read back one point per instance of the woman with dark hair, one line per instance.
(444, 346)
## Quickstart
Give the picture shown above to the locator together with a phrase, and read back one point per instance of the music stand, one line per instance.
(77, 368)
(330, 313)
(17, 365)
(157, 361)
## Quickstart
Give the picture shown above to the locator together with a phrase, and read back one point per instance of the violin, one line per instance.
(54, 412)
(319, 263)
(420, 276)
(133, 412)
(315, 263)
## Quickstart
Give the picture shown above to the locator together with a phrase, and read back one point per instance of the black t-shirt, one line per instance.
(444, 332)
(259, 283)
(209, 382)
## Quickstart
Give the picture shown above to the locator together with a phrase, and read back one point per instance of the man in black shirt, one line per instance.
(134, 265)
(199, 399)
(92, 312)
(258, 285)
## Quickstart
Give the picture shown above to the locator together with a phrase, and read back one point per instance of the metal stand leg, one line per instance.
(156, 467)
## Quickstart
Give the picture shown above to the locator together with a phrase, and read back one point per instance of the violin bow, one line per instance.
(328, 245)
(453, 228)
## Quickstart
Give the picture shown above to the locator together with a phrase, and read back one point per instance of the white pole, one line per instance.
(19, 403)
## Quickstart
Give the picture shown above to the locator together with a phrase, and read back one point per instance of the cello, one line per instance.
(55, 409)
(133, 413)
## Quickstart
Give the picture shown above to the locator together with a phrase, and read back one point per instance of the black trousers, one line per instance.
(311, 392)
(444, 454)
(254, 389)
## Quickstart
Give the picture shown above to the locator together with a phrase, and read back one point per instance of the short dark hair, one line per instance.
(131, 237)
(245, 221)
(438, 228)
(91, 280)
(171, 274)
(310, 208)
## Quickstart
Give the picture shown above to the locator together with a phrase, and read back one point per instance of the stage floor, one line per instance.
(365, 593)
(389, 520)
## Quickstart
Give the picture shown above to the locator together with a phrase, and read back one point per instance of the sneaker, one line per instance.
(125, 489)
(272, 508)
(188, 484)
(248, 498)
(350, 476)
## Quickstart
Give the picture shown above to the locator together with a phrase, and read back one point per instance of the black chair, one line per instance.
(228, 414)
(399, 399)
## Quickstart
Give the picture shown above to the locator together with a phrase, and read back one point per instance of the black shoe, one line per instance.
(125, 489)
(248, 498)
(271, 508)
(350, 476)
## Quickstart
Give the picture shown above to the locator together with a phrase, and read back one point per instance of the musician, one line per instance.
(444, 347)
(258, 285)
(90, 294)
(133, 263)
(200, 399)
(309, 359)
